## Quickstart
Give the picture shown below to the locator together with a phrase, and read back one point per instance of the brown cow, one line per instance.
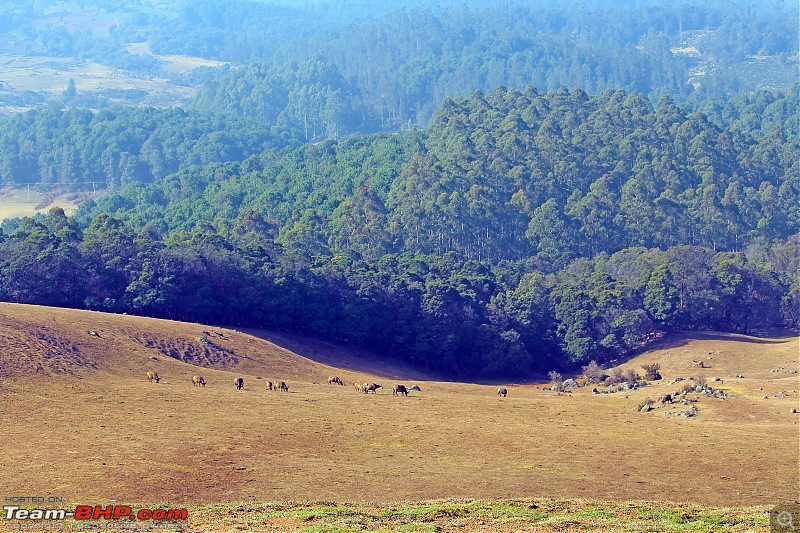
(198, 381)
(280, 385)
(153, 376)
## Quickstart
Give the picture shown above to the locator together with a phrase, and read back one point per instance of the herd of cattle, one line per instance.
(366, 388)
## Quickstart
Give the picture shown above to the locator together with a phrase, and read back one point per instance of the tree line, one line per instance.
(343, 68)
(456, 316)
(121, 145)
(523, 231)
(509, 175)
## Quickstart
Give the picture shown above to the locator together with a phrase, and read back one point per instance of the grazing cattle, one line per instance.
(198, 381)
(699, 364)
(269, 385)
(502, 392)
(280, 385)
(239, 383)
(400, 389)
(371, 387)
(153, 376)
(666, 399)
(335, 379)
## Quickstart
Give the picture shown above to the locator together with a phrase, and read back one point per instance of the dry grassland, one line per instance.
(81, 421)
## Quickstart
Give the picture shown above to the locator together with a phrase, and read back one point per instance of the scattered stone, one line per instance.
(716, 378)
(595, 391)
(154, 358)
(781, 394)
(739, 376)
(793, 411)
(793, 371)
(764, 397)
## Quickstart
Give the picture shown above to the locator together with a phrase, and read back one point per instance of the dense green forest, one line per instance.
(121, 145)
(479, 188)
(523, 231)
(461, 317)
(329, 69)
(509, 176)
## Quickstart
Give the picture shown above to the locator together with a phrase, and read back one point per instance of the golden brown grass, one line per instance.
(80, 421)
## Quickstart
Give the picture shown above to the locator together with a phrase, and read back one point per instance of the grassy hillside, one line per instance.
(84, 424)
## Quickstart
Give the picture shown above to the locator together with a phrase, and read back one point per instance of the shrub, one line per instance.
(593, 372)
(557, 379)
(651, 371)
(646, 405)
(631, 376)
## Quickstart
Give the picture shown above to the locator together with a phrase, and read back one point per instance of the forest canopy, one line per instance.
(481, 189)
(522, 231)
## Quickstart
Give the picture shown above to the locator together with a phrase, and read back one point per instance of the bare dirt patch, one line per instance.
(21, 202)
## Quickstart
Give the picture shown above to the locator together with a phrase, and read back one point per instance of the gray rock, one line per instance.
(570, 383)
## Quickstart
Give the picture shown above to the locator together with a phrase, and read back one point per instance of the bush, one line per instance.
(646, 405)
(593, 373)
(631, 376)
(557, 379)
(651, 371)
